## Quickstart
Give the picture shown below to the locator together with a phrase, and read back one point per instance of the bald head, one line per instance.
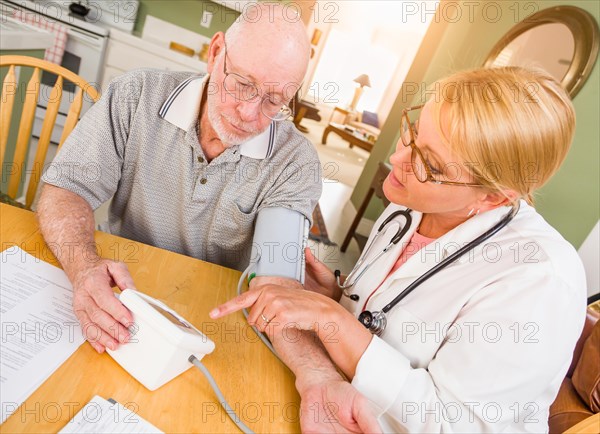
(271, 36)
(265, 50)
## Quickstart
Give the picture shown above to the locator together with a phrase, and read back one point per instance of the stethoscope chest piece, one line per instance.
(375, 322)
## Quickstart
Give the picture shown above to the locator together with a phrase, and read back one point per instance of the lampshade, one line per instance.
(363, 80)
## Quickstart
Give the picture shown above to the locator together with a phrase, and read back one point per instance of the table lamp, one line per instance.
(362, 80)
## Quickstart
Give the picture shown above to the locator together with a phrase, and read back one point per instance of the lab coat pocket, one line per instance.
(417, 338)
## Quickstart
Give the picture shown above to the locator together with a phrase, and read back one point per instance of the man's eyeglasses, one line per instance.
(424, 170)
(243, 89)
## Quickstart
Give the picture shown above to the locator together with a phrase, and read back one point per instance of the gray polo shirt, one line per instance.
(139, 145)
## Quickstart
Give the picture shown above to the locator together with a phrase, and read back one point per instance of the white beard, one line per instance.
(227, 137)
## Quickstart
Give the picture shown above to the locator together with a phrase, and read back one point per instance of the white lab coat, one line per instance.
(482, 346)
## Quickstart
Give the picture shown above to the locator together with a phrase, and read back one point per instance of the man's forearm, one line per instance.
(67, 224)
(305, 355)
(300, 350)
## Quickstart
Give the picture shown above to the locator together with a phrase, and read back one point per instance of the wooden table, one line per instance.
(257, 385)
(341, 130)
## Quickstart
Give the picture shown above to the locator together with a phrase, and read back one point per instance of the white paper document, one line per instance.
(102, 416)
(39, 329)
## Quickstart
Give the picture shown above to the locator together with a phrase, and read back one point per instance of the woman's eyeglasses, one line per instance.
(424, 170)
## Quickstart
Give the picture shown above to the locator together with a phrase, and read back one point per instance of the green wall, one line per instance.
(571, 200)
(186, 14)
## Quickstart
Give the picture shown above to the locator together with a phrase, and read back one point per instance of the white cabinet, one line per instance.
(110, 72)
(126, 52)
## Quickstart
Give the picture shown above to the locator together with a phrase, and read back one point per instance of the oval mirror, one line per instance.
(563, 40)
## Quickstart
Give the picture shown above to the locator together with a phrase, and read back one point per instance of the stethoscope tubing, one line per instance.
(376, 321)
(453, 257)
(402, 230)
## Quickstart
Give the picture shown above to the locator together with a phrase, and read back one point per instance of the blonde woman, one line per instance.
(483, 344)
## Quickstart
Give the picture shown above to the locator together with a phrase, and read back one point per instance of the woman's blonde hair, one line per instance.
(511, 126)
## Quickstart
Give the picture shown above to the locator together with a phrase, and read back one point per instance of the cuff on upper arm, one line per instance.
(380, 373)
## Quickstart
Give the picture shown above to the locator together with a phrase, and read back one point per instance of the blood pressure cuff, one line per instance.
(280, 236)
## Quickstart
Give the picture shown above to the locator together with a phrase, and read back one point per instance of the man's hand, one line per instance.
(103, 318)
(66, 219)
(335, 406)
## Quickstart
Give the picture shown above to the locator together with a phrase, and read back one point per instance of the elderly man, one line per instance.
(188, 159)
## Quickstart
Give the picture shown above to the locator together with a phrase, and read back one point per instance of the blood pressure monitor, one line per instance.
(161, 341)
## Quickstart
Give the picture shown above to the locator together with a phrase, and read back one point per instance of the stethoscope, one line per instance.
(402, 230)
(376, 321)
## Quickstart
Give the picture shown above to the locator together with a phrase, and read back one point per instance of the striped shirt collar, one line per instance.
(182, 108)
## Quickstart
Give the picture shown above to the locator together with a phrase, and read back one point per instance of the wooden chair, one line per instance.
(9, 90)
(376, 189)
